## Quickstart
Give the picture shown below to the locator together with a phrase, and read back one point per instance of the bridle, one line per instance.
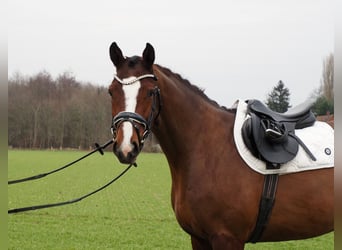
(136, 119)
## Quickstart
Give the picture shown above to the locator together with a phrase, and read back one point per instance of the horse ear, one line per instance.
(148, 55)
(116, 55)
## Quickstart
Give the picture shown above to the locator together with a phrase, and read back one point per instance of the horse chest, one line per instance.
(190, 209)
(184, 213)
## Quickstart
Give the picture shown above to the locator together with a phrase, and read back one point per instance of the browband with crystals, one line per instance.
(134, 80)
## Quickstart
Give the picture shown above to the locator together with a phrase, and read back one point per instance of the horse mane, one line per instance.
(192, 87)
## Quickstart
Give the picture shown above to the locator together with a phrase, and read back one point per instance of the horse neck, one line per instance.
(187, 120)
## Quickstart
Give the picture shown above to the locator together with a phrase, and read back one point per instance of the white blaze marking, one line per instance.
(131, 94)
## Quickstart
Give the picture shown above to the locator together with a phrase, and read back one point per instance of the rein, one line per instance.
(36, 207)
(38, 176)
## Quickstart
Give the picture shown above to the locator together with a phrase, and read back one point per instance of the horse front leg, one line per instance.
(224, 242)
(200, 244)
(217, 242)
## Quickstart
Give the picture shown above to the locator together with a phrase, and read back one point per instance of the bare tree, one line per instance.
(327, 81)
(67, 87)
(325, 94)
(44, 112)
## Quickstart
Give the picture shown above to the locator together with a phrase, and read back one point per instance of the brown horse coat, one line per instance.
(214, 195)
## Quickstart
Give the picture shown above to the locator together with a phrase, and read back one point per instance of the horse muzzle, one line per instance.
(126, 154)
(129, 133)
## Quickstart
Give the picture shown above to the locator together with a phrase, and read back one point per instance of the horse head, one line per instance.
(135, 101)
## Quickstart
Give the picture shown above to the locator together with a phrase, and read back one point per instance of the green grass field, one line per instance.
(133, 213)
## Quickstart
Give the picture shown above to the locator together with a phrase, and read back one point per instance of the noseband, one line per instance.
(134, 118)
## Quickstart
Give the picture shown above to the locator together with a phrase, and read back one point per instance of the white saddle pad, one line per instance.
(319, 138)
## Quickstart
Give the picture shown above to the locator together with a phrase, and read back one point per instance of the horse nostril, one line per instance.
(134, 152)
(130, 156)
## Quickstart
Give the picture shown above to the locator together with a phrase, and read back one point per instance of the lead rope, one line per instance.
(38, 176)
(36, 207)
(24, 209)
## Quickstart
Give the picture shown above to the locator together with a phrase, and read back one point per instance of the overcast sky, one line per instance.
(232, 49)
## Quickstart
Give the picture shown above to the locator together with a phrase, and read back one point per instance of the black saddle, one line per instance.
(270, 136)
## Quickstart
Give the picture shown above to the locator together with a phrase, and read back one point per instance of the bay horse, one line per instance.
(215, 195)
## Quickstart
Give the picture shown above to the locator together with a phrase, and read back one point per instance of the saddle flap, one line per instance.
(319, 139)
(272, 148)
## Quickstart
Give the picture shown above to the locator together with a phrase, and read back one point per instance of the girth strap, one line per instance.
(265, 206)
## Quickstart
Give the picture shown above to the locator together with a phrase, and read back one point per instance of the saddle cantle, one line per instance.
(271, 137)
(299, 116)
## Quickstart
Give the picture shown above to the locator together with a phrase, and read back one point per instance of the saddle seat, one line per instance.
(301, 115)
(270, 135)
